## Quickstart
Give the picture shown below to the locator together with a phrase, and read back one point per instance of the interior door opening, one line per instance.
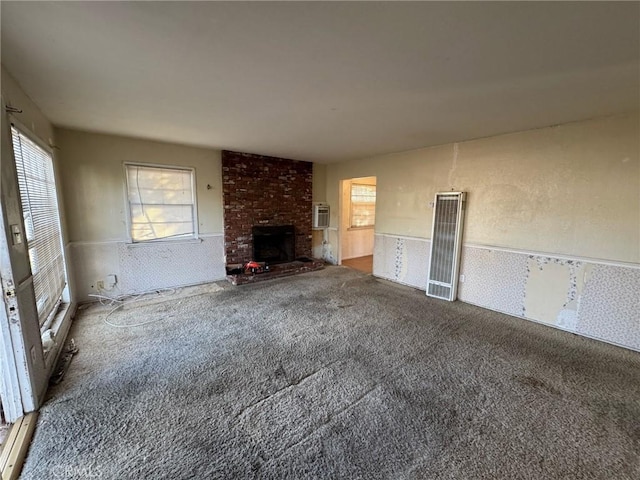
(357, 222)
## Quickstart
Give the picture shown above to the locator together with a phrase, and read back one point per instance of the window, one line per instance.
(363, 205)
(36, 182)
(161, 202)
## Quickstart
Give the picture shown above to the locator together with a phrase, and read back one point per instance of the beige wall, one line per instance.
(31, 116)
(318, 237)
(36, 126)
(319, 182)
(94, 185)
(95, 202)
(571, 189)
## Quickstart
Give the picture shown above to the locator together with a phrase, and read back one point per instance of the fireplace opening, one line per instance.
(274, 244)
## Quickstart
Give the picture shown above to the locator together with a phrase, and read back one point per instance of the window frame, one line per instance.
(351, 203)
(195, 236)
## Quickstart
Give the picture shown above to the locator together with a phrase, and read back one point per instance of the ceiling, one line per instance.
(324, 81)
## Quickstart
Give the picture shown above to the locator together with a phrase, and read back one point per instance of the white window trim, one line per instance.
(363, 227)
(13, 121)
(194, 238)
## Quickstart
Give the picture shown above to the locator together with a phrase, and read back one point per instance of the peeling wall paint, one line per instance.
(401, 259)
(552, 290)
(568, 316)
(330, 248)
(597, 300)
(552, 221)
(587, 298)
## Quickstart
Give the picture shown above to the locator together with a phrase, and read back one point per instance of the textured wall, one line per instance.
(146, 266)
(260, 190)
(599, 300)
(94, 181)
(569, 189)
(401, 259)
(94, 199)
(552, 224)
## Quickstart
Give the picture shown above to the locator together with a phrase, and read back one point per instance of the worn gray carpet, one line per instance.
(335, 374)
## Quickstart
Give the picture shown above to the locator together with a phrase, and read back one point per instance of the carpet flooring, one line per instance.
(336, 374)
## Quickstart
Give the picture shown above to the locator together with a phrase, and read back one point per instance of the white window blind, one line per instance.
(161, 202)
(37, 187)
(363, 205)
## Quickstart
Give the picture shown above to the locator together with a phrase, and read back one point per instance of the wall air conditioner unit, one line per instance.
(320, 215)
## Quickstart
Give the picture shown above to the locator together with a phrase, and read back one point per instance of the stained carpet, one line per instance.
(336, 374)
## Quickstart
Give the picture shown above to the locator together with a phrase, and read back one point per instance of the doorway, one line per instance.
(357, 222)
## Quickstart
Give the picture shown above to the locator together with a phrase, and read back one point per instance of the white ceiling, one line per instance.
(322, 81)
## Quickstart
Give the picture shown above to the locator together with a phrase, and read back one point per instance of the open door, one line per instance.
(22, 372)
(16, 389)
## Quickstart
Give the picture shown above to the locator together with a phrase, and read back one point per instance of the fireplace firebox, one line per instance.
(274, 244)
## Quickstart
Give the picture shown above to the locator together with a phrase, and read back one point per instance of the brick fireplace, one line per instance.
(260, 191)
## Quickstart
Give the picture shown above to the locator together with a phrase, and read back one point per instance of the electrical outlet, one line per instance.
(110, 281)
(100, 284)
(462, 278)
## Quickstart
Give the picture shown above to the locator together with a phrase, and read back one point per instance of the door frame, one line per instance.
(344, 189)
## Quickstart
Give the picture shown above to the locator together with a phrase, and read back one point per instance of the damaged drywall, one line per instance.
(552, 292)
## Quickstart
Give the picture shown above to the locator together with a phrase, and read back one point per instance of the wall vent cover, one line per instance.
(446, 238)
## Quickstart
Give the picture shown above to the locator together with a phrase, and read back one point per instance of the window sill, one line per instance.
(150, 243)
(64, 314)
(366, 227)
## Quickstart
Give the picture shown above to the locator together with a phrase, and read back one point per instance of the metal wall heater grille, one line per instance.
(445, 245)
